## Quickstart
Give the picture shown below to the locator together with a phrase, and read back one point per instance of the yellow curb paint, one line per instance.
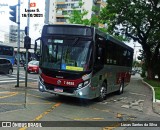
(112, 126)
(43, 114)
(31, 103)
(119, 115)
(10, 94)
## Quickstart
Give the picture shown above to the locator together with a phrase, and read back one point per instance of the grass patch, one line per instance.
(157, 93)
(156, 85)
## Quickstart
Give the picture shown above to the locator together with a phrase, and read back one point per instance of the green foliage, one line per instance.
(77, 17)
(138, 20)
(136, 64)
(144, 69)
(156, 85)
(95, 9)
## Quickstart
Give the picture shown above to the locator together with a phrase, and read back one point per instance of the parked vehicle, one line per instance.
(133, 72)
(6, 66)
(33, 66)
(7, 52)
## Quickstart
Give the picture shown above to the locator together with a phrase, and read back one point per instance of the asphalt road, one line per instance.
(134, 104)
(8, 79)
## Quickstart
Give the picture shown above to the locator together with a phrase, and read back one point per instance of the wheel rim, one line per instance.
(121, 88)
(103, 92)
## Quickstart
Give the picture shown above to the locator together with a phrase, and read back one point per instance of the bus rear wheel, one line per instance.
(102, 93)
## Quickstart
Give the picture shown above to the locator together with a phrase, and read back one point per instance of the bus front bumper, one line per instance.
(79, 93)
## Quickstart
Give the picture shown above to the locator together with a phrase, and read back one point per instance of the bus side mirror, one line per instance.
(37, 48)
(99, 52)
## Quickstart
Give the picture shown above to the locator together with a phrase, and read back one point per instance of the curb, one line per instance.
(153, 97)
(155, 101)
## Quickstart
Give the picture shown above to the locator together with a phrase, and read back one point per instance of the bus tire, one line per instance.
(121, 87)
(102, 92)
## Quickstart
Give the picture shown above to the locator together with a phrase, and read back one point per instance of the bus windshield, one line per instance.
(66, 54)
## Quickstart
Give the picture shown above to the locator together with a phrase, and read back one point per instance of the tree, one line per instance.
(78, 17)
(138, 20)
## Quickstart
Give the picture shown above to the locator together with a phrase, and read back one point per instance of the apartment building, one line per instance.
(56, 11)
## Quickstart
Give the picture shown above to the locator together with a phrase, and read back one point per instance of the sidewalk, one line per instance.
(155, 102)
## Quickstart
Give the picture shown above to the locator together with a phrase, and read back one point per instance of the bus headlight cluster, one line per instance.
(85, 83)
(41, 79)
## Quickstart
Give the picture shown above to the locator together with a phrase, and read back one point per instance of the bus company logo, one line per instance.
(59, 82)
(6, 124)
(33, 4)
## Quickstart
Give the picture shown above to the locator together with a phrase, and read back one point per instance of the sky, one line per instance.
(34, 31)
(5, 22)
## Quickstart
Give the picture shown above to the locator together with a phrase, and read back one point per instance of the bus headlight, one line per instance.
(41, 87)
(85, 83)
(80, 93)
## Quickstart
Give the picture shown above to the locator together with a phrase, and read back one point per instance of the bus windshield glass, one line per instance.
(66, 54)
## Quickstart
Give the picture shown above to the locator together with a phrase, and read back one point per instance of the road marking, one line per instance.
(91, 119)
(15, 76)
(104, 110)
(137, 94)
(43, 114)
(10, 81)
(10, 94)
(6, 78)
(115, 125)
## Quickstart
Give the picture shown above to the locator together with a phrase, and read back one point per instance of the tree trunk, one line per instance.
(150, 73)
(159, 76)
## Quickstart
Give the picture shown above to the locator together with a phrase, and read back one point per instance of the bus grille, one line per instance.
(66, 89)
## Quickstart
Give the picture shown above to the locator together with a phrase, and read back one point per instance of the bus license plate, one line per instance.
(58, 90)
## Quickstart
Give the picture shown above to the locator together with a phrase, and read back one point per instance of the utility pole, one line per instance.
(18, 44)
(28, 40)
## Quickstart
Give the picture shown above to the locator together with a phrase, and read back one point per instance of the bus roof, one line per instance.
(106, 36)
(5, 45)
(114, 40)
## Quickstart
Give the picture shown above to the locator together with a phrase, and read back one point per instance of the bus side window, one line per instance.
(99, 54)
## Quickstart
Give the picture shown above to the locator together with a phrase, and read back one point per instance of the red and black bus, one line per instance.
(81, 61)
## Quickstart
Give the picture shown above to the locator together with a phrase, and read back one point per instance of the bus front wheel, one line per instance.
(102, 93)
(121, 87)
